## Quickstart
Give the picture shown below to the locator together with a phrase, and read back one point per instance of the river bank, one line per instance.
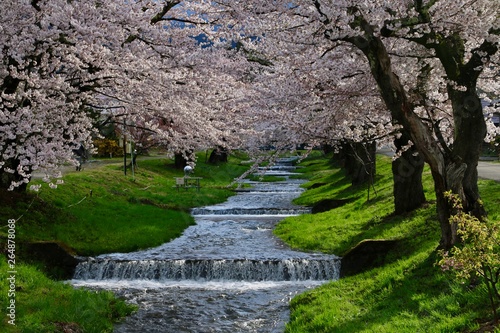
(406, 294)
(404, 291)
(226, 273)
(98, 210)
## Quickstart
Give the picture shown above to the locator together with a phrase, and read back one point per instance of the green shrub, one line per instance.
(477, 256)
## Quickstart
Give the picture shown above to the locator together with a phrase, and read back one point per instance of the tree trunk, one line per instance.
(470, 131)
(327, 149)
(359, 162)
(454, 170)
(179, 161)
(407, 173)
(218, 155)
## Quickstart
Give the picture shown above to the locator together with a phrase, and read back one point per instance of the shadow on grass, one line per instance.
(419, 223)
(372, 248)
(407, 294)
(391, 294)
(410, 294)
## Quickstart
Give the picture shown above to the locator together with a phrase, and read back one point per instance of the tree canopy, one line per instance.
(135, 63)
(432, 63)
(197, 74)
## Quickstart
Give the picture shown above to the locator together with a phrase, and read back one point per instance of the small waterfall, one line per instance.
(288, 168)
(226, 273)
(250, 211)
(208, 270)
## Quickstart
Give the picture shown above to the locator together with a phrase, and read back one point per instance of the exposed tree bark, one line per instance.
(470, 130)
(407, 173)
(218, 155)
(179, 161)
(327, 149)
(402, 113)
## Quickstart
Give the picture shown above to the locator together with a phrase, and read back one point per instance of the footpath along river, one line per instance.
(228, 273)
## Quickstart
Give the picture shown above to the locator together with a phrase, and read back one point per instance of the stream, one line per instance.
(228, 273)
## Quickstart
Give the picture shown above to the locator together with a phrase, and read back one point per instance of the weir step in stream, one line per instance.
(228, 273)
(208, 270)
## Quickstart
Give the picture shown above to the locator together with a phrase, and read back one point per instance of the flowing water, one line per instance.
(227, 273)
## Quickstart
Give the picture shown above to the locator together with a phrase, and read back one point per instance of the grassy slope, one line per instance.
(41, 304)
(123, 214)
(408, 294)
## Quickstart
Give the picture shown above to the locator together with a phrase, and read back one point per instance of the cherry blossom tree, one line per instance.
(312, 94)
(199, 74)
(140, 61)
(42, 88)
(458, 53)
(431, 61)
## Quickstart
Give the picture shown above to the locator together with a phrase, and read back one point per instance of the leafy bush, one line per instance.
(478, 256)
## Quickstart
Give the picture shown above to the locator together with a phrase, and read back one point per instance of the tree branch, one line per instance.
(166, 8)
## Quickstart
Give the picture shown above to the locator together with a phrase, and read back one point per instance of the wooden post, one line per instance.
(124, 149)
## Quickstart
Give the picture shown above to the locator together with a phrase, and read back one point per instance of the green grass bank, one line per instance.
(124, 213)
(98, 210)
(408, 293)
